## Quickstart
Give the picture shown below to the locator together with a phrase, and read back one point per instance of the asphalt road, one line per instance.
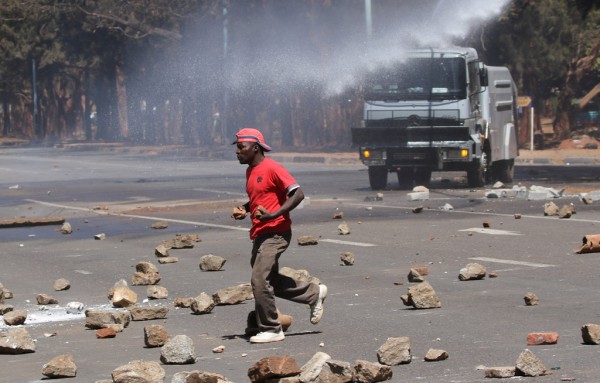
(480, 323)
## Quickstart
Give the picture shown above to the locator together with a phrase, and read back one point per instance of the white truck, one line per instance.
(438, 110)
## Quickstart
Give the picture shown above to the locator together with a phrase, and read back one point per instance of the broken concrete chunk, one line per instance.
(178, 350)
(529, 364)
(343, 228)
(471, 272)
(203, 304)
(105, 333)
(566, 211)
(591, 333)
(531, 299)
(161, 251)
(157, 292)
(15, 317)
(347, 258)
(143, 279)
(16, 341)
(45, 299)
(500, 372)
(124, 297)
(395, 351)
(197, 376)
(308, 240)
(155, 336)
(585, 198)
(183, 302)
(141, 313)
(95, 319)
(168, 260)
(233, 295)
(336, 371)
(299, 275)
(422, 296)
(550, 209)
(369, 372)
(447, 207)
(418, 209)
(273, 367)
(74, 307)
(139, 371)
(61, 284)
(591, 244)
(541, 338)
(435, 355)
(414, 276)
(32, 221)
(160, 225)
(211, 262)
(312, 368)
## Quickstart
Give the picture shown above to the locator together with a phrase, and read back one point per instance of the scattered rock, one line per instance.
(347, 258)
(273, 367)
(531, 299)
(106, 333)
(15, 317)
(529, 364)
(422, 296)
(585, 198)
(141, 371)
(233, 295)
(311, 369)
(498, 185)
(472, 271)
(435, 355)
(146, 274)
(168, 260)
(61, 284)
(369, 372)
(197, 376)
(486, 224)
(141, 313)
(343, 228)
(74, 307)
(211, 262)
(566, 211)
(590, 333)
(447, 207)
(418, 196)
(308, 240)
(183, 302)
(539, 338)
(178, 350)
(161, 251)
(415, 276)
(66, 228)
(395, 351)
(100, 237)
(4, 308)
(16, 341)
(116, 319)
(376, 197)
(62, 366)
(123, 297)
(338, 215)
(157, 292)
(203, 304)
(218, 349)
(517, 216)
(493, 274)
(159, 225)
(155, 336)
(299, 275)
(500, 372)
(591, 244)
(336, 371)
(45, 299)
(550, 209)
(418, 209)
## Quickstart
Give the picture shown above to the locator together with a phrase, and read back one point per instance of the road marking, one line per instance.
(491, 231)
(511, 262)
(361, 244)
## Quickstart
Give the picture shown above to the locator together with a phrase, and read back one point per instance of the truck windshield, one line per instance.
(419, 79)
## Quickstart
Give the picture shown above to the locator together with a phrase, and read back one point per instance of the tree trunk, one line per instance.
(121, 90)
(564, 109)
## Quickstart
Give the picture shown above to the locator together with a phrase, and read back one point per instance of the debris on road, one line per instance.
(15, 317)
(530, 365)
(106, 333)
(531, 299)
(178, 350)
(32, 221)
(211, 262)
(542, 338)
(45, 299)
(100, 237)
(61, 284)
(157, 292)
(471, 272)
(343, 228)
(155, 336)
(143, 313)
(308, 240)
(233, 295)
(435, 355)
(66, 228)
(395, 351)
(421, 296)
(338, 215)
(590, 333)
(16, 341)
(591, 244)
(202, 304)
(160, 225)
(139, 371)
(347, 258)
(145, 274)
(273, 367)
(61, 366)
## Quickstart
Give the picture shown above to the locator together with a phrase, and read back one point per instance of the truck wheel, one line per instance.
(505, 170)
(406, 176)
(476, 174)
(378, 177)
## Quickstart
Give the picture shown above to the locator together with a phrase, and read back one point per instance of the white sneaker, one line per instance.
(267, 337)
(316, 310)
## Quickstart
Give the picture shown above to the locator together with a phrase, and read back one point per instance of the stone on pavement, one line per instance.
(61, 366)
(415, 276)
(105, 333)
(139, 371)
(422, 296)
(66, 228)
(472, 271)
(183, 302)
(336, 371)
(531, 299)
(529, 364)
(160, 225)
(500, 372)
(157, 292)
(161, 250)
(203, 304)
(168, 260)
(116, 319)
(347, 258)
(145, 274)
(272, 367)
(233, 295)
(540, 338)
(211, 262)
(308, 240)
(343, 229)
(178, 350)
(123, 297)
(591, 333)
(45, 299)
(338, 215)
(16, 341)
(61, 284)
(591, 244)
(74, 307)
(370, 372)
(550, 209)
(142, 313)
(311, 369)
(299, 275)
(435, 355)
(15, 317)
(155, 336)
(197, 376)
(395, 351)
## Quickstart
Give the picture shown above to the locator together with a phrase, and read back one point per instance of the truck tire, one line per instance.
(504, 170)
(378, 177)
(422, 177)
(406, 177)
(476, 174)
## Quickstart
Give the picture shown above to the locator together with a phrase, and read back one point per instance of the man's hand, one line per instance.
(239, 212)
(262, 214)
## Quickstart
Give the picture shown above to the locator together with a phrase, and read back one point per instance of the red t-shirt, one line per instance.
(268, 185)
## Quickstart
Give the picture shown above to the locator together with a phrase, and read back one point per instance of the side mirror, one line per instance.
(483, 76)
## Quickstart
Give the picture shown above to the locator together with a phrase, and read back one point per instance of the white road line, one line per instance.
(491, 231)
(511, 262)
(362, 244)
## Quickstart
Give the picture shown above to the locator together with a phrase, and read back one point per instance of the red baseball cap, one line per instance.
(251, 135)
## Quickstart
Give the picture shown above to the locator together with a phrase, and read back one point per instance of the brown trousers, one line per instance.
(267, 283)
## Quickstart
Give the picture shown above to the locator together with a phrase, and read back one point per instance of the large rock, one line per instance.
(139, 371)
(308, 240)
(123, 296)
(211, 262)
(203, 304)
(500, 372)
(233, 295)
(435, 355)
(395, 351)
(178, 350)
(590, 333)
(471, 272)
(312, 368)
(299, 275)
(336, 371)
(15, 317)
(529, 364)
(45, 299)
(62, 366)
(145, 274)
(422, 296)
(273, 367)
(198, 377)
(61, 284)
(16, 341)
(155, 336)
(161, 251)
(140, 313)
(157, 292)
(369, 372)
(115, 319)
